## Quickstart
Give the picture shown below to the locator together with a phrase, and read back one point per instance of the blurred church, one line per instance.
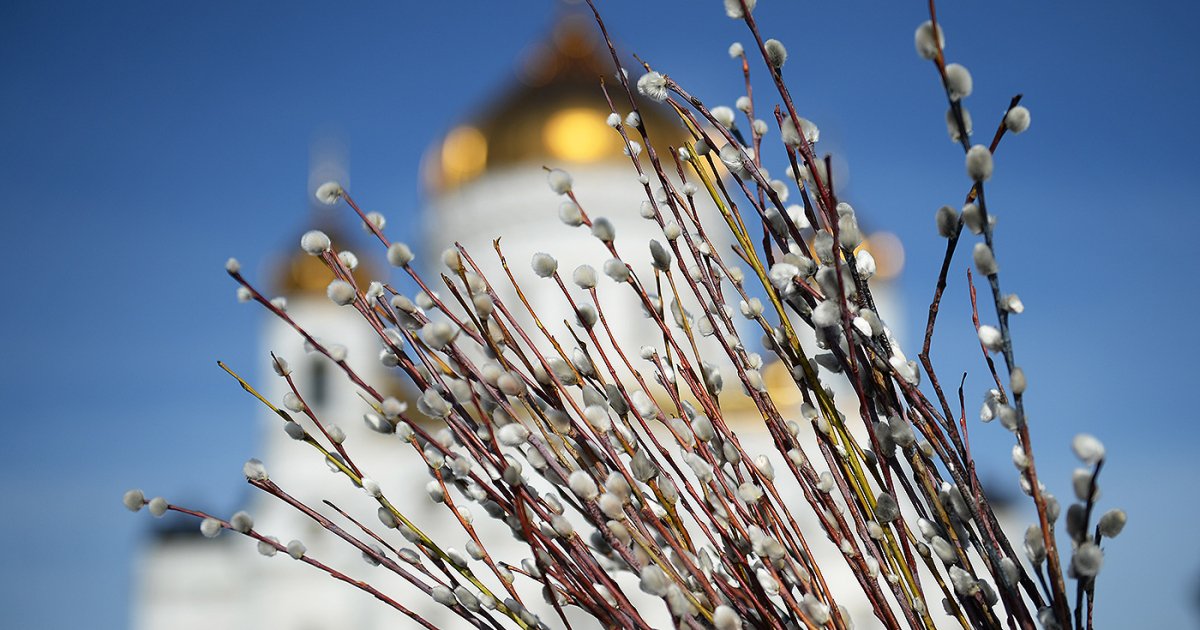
(482, 180)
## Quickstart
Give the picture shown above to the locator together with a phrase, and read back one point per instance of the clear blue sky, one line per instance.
(141, 143)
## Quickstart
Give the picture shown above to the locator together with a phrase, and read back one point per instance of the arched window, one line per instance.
(317, 392)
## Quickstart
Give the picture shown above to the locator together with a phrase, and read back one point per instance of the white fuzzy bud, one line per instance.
(444, 596)
(958, 81)
(985, 260)
(435, 491)
(612, 506)
(452, 260)
(1016, 380)
(510, 385)
(702, 469)
(823, 244)
(964, 584)
(972, 217)
(603, 229)
(815, 610)
(795, 137)
(1087, 559)
(1088, 449)
(947, 221)
(750, 492)
(341, 292)
(329, 192)
(927, 46)
(776, 53)
(733, 8)
(376, 220)
(826, 314)
(1035, 545)
(484, 305)
(134, 500)
(392, 407)
(654, 581)
(378, 424)
(765, 467)
(158, 507)
(254, 470)
(242, 522)
(991, 338)
(597, 417)
(512, 434)
(586, 315)
(583, 486)
(266, 548)
(886, 509)
(585, 277)
(782, 274)
(671, 229)
(386, 517)
(293, 402)
(1110, 525)
(399, 255)
(979, 163)
(825, 482)
(280, 366)
(731, 157)
(1009, 571)
(653, 86)
(616, 269)
(767, 581)
(314, 242)
(232, 265)
(865, 263)
(210, 527)
(1017, 119)
(703, 428)
(752, 308)
(952, 124)
(726, 618)
(569, 212)
(544, 265)
(293, 430)
(437, 334)
(559, 181)
(944, 550)
(724, 116)
(1019, 459)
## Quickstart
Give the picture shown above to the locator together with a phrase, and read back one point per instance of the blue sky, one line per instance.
(142, 143)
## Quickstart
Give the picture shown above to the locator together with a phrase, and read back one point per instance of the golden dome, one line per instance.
(554, 114)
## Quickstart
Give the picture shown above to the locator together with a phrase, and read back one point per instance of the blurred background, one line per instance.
(141, 144)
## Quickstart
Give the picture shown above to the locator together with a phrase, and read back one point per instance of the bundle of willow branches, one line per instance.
(605, 460)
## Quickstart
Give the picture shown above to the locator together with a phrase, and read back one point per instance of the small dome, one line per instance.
(553, 114)
(300, 274)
